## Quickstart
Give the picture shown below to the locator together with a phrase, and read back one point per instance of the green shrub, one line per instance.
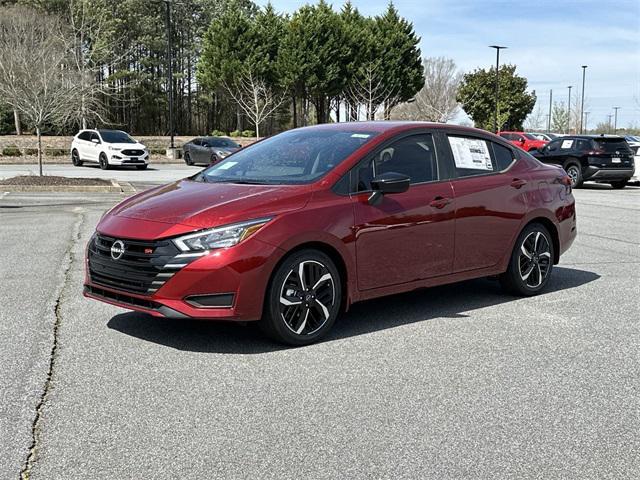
(236, 133)
(11, 151)
(248, 133)
(218, 133)
(157, 151)
(55, 152)
(31, 151)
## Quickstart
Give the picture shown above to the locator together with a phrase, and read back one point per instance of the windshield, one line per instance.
(611, 145)
(115, 136)
(222, 143)
(293, 157)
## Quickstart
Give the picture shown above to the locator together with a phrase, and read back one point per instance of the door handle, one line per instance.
(518, 183)
(439, 202)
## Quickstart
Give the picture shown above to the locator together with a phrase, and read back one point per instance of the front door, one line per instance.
(407, 236)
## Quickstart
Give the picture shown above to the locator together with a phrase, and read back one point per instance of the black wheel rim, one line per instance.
(74, 157)
(307, 297)
(573, 173)
(534, 261)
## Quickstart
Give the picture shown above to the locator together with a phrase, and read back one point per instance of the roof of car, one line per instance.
(382, 126)
(592, 137)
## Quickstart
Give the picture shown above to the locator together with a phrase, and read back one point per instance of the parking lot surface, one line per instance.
(460, 381)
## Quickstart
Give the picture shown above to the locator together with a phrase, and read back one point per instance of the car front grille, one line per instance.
(143, 268)
(133, 153)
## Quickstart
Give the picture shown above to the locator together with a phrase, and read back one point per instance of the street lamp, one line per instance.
(550, 104)
(609, 122)
(615, 120)
(569, 110)
(497, 85)
(586, 116)
(169, 71)
(584, 69)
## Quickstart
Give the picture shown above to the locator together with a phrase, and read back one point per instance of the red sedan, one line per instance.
(525, 141)
(294, 229)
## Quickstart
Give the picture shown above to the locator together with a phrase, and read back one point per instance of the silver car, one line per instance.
(208, 150)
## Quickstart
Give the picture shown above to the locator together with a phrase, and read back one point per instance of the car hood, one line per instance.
(127, 146)
(205, 205)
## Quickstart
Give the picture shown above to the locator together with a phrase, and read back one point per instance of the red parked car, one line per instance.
(294, 229)
(525, 141)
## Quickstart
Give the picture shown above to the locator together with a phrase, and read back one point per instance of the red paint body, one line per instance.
(434, 233)
(523, 140)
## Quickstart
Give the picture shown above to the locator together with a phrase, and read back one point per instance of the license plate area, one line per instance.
(616, 160)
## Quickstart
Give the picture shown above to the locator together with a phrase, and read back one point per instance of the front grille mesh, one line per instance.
(144, 267)
(133, 153)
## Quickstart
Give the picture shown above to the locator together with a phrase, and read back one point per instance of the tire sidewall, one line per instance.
(75, 158)
(513, 281)
(573, 164)
(187, 159)
(272, 321)
(104, 163)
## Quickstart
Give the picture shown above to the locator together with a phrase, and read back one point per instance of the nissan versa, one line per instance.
(295, 228)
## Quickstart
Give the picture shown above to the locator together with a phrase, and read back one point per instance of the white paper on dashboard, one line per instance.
(471, 153)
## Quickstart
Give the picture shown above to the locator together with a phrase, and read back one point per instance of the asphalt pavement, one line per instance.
(460, 381)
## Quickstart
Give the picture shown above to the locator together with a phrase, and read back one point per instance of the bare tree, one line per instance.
(536, 121)
(369, 89)
(436, 101)
(255, 97)
(35, 78)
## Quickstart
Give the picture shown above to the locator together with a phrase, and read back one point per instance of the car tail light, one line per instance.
(595, 152)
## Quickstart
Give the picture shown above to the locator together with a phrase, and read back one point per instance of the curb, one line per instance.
(115, 187)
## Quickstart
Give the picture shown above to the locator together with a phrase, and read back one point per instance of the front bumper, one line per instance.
(117, 158)
(239, 275)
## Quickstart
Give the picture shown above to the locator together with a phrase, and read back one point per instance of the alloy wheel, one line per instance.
(574, 174)
(534, 261)
(307, 297)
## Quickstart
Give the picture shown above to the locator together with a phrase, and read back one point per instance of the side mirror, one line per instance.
(95, 140)
(521, 141)
(386, 183)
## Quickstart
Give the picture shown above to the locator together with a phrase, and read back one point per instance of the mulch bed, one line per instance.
(52, 180)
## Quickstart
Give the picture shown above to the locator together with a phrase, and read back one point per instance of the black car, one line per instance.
(208, 150)
(594, 158)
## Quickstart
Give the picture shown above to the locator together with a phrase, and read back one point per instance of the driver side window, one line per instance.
(414, 156)
(553, 146)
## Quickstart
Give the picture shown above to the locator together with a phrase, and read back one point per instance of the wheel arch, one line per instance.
(332, 253)
(553, 230)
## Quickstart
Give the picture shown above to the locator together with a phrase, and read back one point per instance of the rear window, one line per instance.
(611, 145)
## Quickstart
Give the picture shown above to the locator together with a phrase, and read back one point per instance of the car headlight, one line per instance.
(219, 237)
(113, 148)
(222, 153)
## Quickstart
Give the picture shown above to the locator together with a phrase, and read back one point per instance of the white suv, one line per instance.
(108, 147)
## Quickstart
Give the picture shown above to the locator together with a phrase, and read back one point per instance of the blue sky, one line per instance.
(547, 40)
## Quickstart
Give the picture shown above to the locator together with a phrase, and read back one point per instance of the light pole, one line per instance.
(497, 85)
(569, 110)
(615, 120)
(584, 69)
(550, 103)
(609, 122)
(586, 116)
(169, 71)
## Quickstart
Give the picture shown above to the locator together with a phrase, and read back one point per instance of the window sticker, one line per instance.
(227, 165)
(470, 153)
(566, 144)
(360, 135)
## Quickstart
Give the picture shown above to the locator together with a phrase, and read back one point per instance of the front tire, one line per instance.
(531, 262)
(575, 173)
(303, 299)
(187, 159)
(75, 158)
(619, 184)
(104, 163)
(214, 159)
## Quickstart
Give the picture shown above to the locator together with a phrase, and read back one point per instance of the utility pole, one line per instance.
(609, 122)
(584, 69)
(170, 72)
(569, 110)
(550, 104)
(615, 121)
(497, 85)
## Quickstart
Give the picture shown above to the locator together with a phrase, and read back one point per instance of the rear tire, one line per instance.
(574, 171)
(104, 163)
(187, 159)
(619, 184)
(303, 299)
(75, 158)
(531, 262)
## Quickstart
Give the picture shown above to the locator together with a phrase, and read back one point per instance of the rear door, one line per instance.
(407, 236)
(83, 143)
(490, 196)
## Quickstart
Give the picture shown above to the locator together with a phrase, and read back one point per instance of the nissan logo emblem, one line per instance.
(117, 249)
